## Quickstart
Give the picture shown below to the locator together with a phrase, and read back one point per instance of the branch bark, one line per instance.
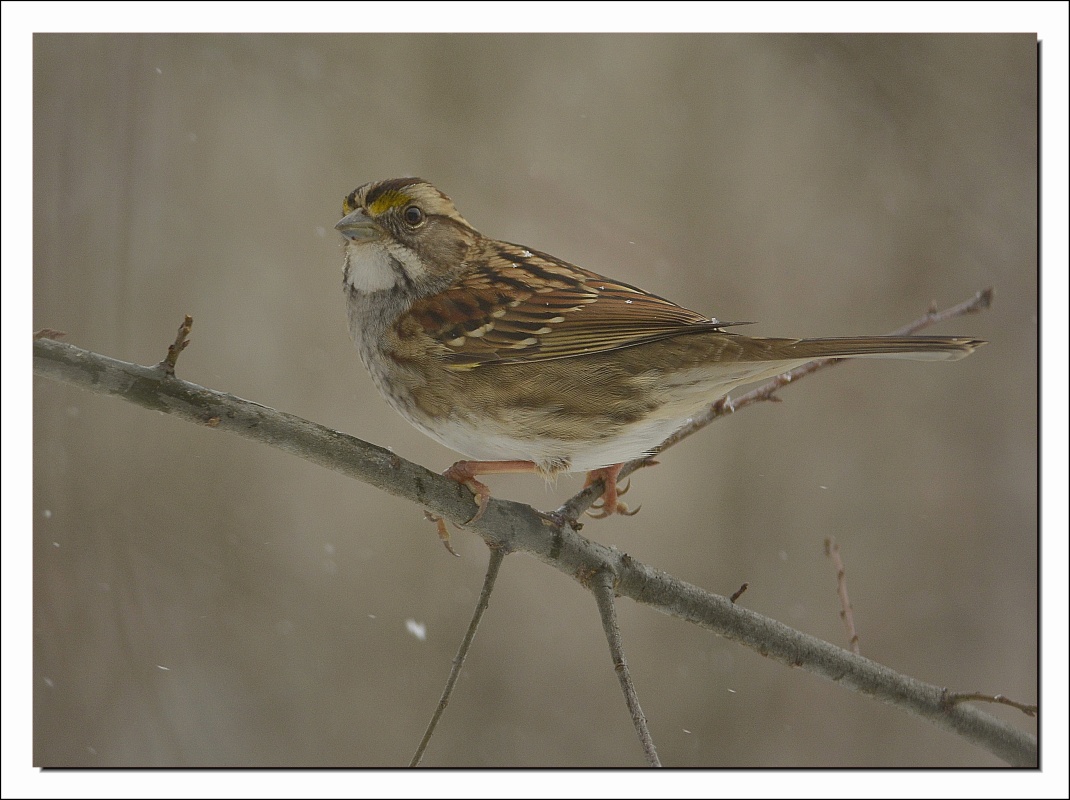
(512, 526)
(602, 587)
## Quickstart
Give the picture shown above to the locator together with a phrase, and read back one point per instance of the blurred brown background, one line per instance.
(203, 600)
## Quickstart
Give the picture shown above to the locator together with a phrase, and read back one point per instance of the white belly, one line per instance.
(491, 443)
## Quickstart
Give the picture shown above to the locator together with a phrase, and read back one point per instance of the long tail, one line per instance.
(915, 348)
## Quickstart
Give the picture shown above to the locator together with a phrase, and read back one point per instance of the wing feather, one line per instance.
(521, 306)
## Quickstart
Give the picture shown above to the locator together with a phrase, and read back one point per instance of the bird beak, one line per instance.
(357, 227)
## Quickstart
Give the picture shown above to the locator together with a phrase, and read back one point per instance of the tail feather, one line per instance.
(915, 348)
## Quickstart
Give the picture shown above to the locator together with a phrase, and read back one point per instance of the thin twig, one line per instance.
(602, 587)
(497, 555)
(979, 302)
(739, 592)
(173, 350)
(49, 333)
(832, 550)
(953, 698)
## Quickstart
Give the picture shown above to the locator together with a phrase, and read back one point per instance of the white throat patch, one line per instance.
(370, 268)
(375, 266)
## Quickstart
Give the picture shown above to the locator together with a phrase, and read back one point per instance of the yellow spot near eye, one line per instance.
(387, 201)
(458, 342)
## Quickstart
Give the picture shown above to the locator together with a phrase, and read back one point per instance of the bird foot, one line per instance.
(610, 502)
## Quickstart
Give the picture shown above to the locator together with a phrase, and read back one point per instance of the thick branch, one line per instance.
(153, 388)
(514, 526)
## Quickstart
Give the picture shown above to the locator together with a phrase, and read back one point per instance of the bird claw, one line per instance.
(482, 497)
(620, 508)
(609, 504)
(443, 532)
(462, 473)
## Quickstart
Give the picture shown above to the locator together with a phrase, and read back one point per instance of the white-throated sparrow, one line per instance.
(526, 363)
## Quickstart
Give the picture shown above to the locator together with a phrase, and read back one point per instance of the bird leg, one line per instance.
(466, 471)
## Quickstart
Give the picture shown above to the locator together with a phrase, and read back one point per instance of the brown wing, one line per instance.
(524, 306)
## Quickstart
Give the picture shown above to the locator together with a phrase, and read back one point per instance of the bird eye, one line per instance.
(413, 216)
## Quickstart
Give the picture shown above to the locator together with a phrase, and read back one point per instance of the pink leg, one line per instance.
(466, 471)
(610, 502)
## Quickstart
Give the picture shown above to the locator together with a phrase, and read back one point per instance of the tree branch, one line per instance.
(511, 526)
(832, 550)
(602, 587)
(495, 564)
